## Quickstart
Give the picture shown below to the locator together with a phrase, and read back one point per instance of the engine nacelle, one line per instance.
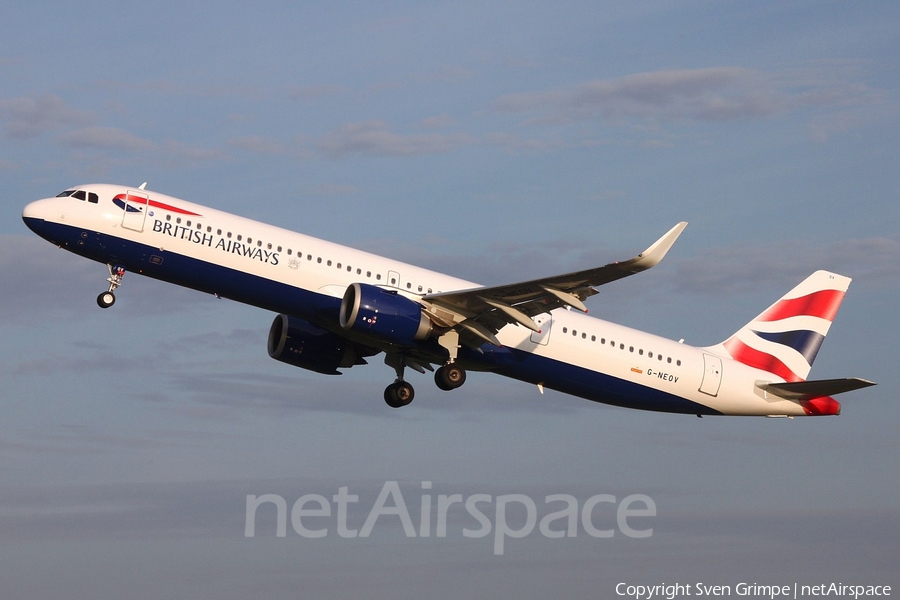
(298, 343)
(383, 315)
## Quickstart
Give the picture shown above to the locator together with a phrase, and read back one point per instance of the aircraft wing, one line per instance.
(485, 310)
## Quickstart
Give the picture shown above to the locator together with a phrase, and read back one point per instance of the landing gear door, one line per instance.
(712, 375)
(135, 210)
(544, 321)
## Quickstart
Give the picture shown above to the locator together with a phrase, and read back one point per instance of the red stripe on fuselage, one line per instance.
(155, 204)
(751, 357)
(823, 304)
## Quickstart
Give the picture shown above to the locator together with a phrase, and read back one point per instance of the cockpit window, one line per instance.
(80, 195)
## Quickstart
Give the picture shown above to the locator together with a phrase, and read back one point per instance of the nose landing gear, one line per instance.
(108, 298)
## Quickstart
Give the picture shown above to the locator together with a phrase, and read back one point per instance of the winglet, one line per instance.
(655, 253)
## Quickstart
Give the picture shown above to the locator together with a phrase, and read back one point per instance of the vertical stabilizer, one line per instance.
(786, 337)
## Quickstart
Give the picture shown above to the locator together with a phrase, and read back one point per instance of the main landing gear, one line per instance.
(449, 377)
(401, 392)
(108, 298)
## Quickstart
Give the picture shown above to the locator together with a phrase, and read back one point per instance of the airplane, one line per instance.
(338, 306)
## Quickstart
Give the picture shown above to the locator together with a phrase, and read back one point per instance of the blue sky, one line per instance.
(495, 142)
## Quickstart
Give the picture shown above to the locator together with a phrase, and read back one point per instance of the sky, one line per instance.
(493, 141)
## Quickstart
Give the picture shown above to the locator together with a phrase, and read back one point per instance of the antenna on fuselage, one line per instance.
(143, 185)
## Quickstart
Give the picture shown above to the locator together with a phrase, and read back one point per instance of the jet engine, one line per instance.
(383, 315)
(301, 344)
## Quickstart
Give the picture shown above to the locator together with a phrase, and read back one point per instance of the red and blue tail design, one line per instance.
(786, 337)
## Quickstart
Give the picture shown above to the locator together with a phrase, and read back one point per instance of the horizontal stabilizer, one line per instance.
(807, 390)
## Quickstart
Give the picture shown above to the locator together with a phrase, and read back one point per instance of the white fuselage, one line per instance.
(573, 352)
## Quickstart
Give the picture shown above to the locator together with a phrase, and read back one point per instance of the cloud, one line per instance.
(710, 94)
(314, 92)
(31, 116)
(106, 138)
(52, 283)
(437, 121)
(334, 189)
(179, 152)
(37, 272)
(256, 144)
(375, 138)
(785, 264)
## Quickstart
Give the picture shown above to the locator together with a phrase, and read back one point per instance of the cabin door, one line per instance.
(136, 208)
(712, 375)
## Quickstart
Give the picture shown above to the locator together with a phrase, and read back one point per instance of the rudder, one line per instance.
(786, 337)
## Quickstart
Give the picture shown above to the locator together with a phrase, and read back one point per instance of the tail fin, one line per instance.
(786, 337)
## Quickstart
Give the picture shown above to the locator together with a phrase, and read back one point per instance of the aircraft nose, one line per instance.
(34, 214)
(33, 210)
